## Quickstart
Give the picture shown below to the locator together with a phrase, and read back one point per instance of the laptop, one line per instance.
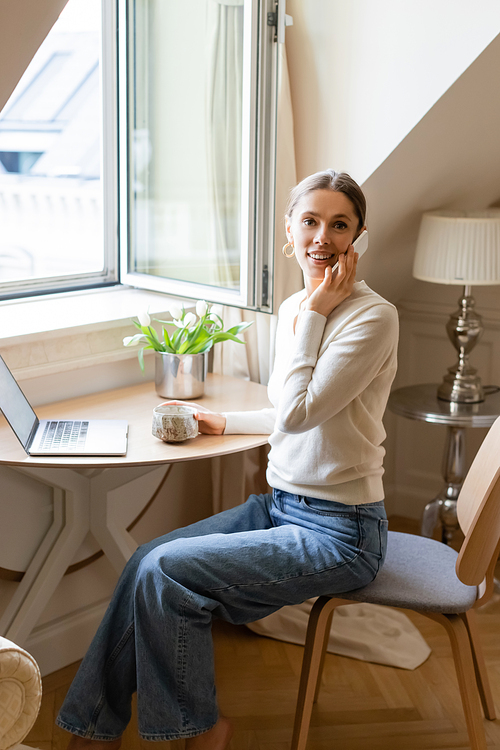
(52, 437)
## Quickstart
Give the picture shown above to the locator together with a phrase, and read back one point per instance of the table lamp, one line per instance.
(462, 248)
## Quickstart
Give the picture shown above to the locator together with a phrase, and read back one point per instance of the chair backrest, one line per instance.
(478, 510)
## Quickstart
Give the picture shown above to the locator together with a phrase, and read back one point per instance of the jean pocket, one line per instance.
(328, 507)
(383, 526)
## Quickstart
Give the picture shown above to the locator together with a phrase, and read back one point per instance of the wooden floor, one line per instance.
(361, 706)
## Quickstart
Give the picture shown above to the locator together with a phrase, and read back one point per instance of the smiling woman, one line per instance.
(322, 530)
(325, 214)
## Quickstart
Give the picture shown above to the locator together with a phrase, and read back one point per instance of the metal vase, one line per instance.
(180, 376)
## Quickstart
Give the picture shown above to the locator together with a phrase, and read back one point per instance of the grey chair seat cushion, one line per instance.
(418, 573)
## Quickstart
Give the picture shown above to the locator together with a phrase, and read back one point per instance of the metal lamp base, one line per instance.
(462, 384)
(462, 389)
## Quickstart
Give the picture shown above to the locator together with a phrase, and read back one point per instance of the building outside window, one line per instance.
(51, 186)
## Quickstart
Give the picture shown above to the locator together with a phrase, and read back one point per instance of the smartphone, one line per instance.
(360, 246)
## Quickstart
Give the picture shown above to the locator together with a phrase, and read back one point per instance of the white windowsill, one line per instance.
(63, 332)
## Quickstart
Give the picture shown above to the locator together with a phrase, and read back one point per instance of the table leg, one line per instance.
(444, 507)
(81, 504)
(68, 530)
(106, 522)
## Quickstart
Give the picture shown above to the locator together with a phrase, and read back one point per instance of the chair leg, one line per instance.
(464, 665)
(483, 683)
(319, 624)
(323, 654)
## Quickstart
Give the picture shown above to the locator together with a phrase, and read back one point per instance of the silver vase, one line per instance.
(180, 376)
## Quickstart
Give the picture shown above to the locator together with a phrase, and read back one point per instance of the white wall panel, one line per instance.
(414, 448)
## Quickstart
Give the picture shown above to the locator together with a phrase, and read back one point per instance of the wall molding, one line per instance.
(64, 641)
(439, 312)
(415, 449)
(51, 355)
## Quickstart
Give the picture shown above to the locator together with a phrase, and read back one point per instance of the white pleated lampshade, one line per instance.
(459, 247)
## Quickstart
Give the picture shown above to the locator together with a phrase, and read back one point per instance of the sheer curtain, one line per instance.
(224, 104)
(235, 477)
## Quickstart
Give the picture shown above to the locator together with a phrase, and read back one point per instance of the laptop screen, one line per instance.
(15, 406)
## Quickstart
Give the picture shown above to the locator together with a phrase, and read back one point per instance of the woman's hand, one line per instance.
(209, 422)
(334, 289)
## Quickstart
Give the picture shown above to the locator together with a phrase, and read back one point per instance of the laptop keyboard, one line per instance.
(64, 435)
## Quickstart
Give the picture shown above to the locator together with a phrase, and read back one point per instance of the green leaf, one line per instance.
(134, 339)
(140, 356)
(165, 322)
(238, 328)
(227, 336)
(218, 325)
(203, 346)
(183, 349)
(177, 338)
(168, 343)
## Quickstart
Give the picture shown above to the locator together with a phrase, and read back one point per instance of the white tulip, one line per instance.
(175, 311)
(189, 320)
(201, 308)
(128, 341)
(144, 319)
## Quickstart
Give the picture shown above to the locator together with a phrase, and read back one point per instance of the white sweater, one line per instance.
(329, 389)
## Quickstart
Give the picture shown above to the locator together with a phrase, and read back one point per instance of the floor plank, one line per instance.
(360, 706)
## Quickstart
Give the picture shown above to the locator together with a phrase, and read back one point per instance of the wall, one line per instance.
(415, 449)
(23, 27)
(364, 73)
(401, 96)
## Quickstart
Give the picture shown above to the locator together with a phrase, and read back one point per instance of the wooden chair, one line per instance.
(433, 579)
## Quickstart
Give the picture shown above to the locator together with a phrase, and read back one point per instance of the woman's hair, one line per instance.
(338, 182)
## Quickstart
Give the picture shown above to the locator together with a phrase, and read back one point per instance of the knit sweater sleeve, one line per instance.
(317, 388)
(258, 422)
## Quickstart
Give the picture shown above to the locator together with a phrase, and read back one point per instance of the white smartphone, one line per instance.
(360, 246)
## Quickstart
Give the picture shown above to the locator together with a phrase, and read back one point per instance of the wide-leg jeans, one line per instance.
(239, 565)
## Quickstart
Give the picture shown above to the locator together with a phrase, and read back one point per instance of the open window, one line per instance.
(57, 160)
(141, 140)
(197, 156)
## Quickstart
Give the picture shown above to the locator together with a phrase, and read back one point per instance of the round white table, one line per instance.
(81, 483)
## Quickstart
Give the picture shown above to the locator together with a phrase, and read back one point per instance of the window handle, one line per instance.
(280, 20)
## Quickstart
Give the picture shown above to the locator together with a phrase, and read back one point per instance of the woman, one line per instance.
(322, 531)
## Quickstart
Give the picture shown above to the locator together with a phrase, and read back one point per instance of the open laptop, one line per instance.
(52, 437)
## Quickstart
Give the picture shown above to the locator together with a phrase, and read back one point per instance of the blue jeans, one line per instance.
(239, 565)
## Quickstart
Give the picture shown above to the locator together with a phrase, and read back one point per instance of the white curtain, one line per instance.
(224, 104)
(235, 477)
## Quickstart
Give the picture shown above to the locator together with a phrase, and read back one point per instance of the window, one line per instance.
(198, 99)
(52, 141)
(185, 96)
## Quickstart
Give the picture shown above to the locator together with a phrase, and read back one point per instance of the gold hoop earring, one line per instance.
(283, 250)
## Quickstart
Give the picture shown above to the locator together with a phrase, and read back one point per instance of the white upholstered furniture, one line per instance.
(20, 693)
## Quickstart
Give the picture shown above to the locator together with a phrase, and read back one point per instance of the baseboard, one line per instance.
(62, 642)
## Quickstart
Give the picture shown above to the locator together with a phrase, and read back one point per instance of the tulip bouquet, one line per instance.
(193, 334)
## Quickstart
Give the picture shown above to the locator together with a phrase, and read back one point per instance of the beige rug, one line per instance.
(362, 631)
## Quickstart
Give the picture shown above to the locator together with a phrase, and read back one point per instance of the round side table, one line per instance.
(421, 402)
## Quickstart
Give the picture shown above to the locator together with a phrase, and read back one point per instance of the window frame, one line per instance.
(109, 168)
(259, 118)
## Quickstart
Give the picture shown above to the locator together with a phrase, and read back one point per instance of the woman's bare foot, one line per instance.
(81, 743)
(217, 738)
